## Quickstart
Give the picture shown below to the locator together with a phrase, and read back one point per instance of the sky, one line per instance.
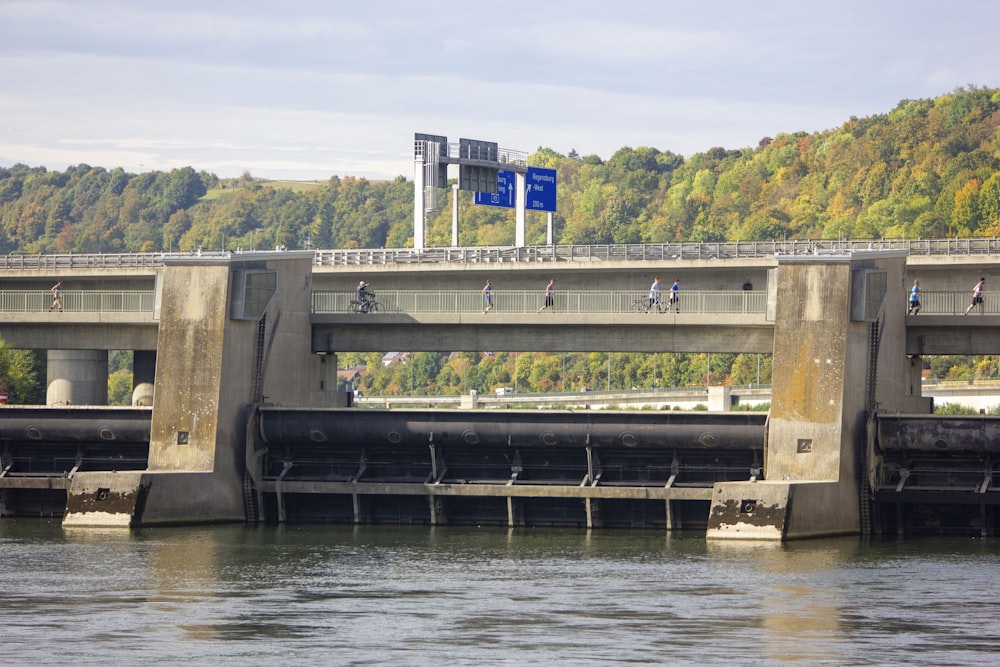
(309, 89)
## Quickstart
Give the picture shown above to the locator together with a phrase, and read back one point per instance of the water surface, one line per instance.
(321, 595)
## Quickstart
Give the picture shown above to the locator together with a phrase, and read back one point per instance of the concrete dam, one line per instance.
(246, 422)
(618, 470)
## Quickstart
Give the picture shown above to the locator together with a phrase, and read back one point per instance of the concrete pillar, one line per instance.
(228, 325)
(719, 399)
(914, 387)
(520, 204)
(454, 215)
(827, 310)
(143, 377)
(470, 402)
(77, 377)
(418, 200)
(322, 383)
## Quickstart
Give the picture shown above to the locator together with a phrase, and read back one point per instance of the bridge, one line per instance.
(428, 295)
(264, 329)
(453, 320)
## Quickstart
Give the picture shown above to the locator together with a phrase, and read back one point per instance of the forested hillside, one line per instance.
(928, 168)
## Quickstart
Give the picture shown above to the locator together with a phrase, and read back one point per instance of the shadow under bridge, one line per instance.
(514, 468)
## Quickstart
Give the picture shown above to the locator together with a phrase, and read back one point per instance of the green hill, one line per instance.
(928, 168)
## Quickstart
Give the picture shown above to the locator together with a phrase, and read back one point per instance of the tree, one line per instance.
(19, 373)
(120, 387)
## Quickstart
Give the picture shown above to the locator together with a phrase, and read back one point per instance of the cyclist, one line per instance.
(363, 303)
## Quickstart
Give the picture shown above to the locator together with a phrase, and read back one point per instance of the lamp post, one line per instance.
(515, 372)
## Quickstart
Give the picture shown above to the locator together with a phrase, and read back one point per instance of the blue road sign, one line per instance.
(505, 196)
(541, 186)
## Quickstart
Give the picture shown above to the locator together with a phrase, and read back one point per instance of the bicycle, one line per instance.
(642, 305)
(365, 304)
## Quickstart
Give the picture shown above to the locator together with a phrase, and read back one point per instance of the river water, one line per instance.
(324, 595)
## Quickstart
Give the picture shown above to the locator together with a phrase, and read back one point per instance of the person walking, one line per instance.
(977, 297)
(914, 299)
(675, 297)
(56, 296)
(654, 295)
(550, 296)
(488, 296)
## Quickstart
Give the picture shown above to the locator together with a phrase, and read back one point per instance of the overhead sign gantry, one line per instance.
(479, 163)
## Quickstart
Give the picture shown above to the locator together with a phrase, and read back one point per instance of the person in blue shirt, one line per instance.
(914, 299)
(675, 297)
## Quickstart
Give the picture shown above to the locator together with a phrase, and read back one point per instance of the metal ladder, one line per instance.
(864, 488)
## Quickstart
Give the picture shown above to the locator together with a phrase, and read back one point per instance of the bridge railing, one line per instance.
(955, 303)
(653, 251)
(471, 301)
(543, 253)
(114, 261)
(78, 301)
(528, 301)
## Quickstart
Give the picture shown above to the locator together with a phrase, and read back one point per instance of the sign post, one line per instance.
(535, 191)
(505, 196)
(541, 189)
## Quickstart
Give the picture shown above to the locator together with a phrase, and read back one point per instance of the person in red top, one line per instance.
(977, 297)
(550, 296)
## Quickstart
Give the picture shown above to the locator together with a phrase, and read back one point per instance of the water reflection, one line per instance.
(802, 610)
(367, 595)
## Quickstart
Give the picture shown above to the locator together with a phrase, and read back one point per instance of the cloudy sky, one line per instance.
(307, 89)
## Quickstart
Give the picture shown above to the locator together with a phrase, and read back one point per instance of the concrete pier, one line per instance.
(838, 353)
(77, 377)
(234, 332)
(143, 377)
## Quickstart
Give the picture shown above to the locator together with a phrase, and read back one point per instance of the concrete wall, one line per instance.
(206, 374)
(532, 332)
(816, 431)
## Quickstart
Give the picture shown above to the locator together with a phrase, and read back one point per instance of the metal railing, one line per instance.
(529, 301)
(78, 301)
(956, 303)
(745, 302)
(120, 261)
(975, 247)
(652, 251)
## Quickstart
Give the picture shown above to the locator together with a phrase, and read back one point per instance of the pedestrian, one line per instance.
(675, 297)
(977, 297)
(488, 296)
(56, 296)
(914, 299)
(654, 295)
(550, 298)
